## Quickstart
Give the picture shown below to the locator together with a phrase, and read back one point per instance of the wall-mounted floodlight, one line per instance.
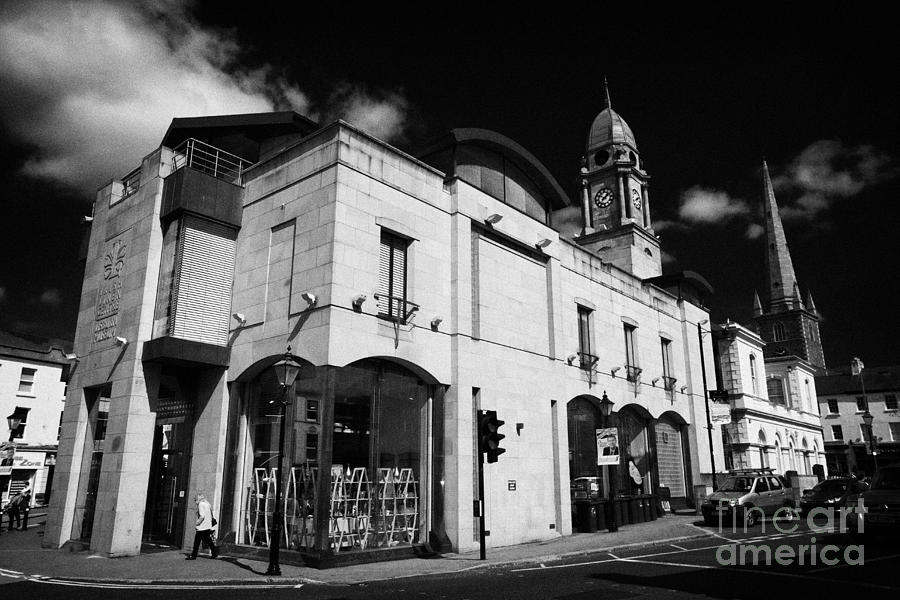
(614, 370)
(571, 358)
(310, 298)
(655, 379)
(544, 243)
(72, 357)
(120, 341)
(240, 318)
(493, 218)
(436, 321)
(358, 301)
(683, 388)
(87, 219)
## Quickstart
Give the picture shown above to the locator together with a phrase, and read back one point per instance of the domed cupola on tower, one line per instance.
(615, 196)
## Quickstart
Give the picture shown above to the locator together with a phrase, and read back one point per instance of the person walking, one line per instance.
(205, 526)
(13, 509)
(25, 506)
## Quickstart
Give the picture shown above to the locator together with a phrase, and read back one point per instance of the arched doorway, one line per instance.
(635, 443)
(360, 458)
(670, 452)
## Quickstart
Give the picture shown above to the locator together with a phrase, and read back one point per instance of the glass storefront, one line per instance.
(370, 428)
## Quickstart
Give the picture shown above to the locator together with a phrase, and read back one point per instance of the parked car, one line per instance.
(830, 493)
(880, 507)
(745, 496)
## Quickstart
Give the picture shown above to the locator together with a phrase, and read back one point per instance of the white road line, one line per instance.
(150, 586)
(667, 564)
(679, 547)
(613, 555)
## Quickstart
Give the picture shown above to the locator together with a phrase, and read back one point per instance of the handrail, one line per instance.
(395, 308)
(203, 157)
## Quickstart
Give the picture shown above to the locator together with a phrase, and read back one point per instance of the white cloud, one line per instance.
(93, 85)
(701, 205)
(827, 171)
(567, 221)
(754, 231)
(51, 297)
(382, 114)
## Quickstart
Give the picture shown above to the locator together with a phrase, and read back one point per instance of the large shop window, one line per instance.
(378, 421)
(98, 400)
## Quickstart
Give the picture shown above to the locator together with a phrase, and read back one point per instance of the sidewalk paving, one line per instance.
(21, 553)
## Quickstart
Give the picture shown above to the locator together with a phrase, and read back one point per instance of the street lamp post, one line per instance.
(871, 440)
(13, 422)
(709, 428)
(611, 522)
(286, 370)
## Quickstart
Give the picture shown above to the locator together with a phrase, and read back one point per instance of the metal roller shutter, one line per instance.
(670, 458)
(204, 269)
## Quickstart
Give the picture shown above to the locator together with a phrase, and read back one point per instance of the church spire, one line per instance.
(607, 103)
(780, 269)
(757, 305)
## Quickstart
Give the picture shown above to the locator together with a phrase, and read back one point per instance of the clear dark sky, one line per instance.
(89, 88)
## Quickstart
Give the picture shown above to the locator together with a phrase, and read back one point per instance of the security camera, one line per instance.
(309, 297)
(120, 341)
(240, 318)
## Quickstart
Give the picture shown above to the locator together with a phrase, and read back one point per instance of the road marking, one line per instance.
(679, 547)
(667, 564)
(150, 586)
(613, 555)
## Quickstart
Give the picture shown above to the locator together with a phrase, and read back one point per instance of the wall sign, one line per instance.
(109, 295)
(511, 485)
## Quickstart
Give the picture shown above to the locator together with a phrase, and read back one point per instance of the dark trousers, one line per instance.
(14, 514)
(206, 536)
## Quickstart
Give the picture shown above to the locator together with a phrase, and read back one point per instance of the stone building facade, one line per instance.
(413, 292)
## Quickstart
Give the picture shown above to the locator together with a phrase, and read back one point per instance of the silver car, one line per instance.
(746, 496)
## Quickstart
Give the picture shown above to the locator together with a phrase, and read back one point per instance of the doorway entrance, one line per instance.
(170, 462)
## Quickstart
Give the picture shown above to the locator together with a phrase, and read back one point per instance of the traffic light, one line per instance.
(489, 432)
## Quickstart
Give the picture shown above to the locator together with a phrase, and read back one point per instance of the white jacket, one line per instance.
(204, 516)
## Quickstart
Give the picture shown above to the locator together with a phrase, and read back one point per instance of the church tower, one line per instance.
(789, 326)
(615, 203)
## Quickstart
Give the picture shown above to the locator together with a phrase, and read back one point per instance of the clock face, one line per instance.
(636, 198)
(603, 197)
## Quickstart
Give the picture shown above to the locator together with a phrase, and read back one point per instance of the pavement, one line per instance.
(22, 557)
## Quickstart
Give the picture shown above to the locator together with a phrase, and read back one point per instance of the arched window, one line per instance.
(763, 450)
(807, 468)
(778, 455)
(753, 379)
(778, 331)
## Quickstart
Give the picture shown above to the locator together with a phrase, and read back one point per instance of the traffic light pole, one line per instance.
(480, 503)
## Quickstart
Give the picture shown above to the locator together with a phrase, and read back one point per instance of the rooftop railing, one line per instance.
(211, 160)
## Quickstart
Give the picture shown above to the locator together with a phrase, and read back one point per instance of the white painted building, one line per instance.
(33, 391)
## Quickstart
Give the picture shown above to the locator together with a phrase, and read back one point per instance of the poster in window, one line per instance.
(607, 446)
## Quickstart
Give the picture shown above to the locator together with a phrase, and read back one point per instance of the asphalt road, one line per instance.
(752, 565)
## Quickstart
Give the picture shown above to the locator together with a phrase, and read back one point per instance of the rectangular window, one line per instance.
(895, 431)
(584, 338)
(312, 410)
(391, 295)
(837, 432)
(312, 447)
(59, 429)
(668, 379)
(26, 380)
(890, 402)
(776, 390)
(20, 413)
(862, 405)
(832, 406)
(631, 364)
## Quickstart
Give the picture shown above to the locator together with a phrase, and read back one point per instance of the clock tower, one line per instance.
(615, 203)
